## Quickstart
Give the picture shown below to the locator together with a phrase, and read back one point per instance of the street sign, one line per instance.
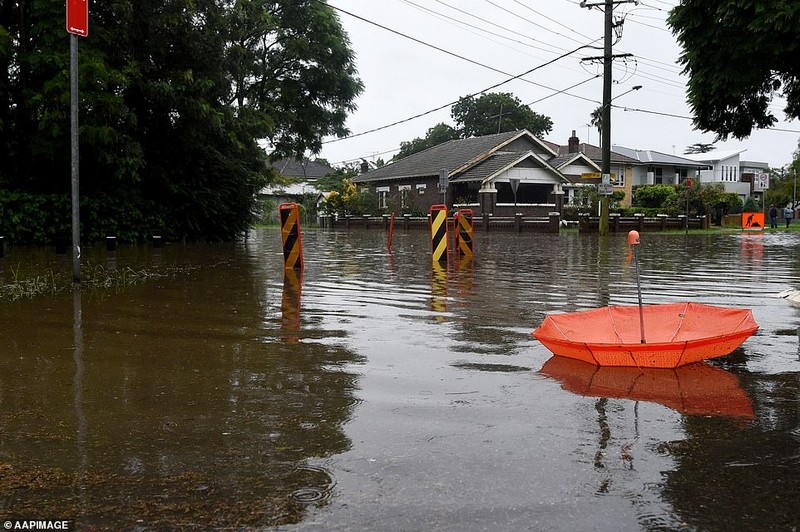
(761, 182)
(78, 17)
(443, 180)
(605, 189)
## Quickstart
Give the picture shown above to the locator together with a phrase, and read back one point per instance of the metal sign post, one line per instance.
(443, 184)
(77, 25)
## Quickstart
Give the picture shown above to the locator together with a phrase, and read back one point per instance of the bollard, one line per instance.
(440, 244)
(290, 235)
(111, 243)
(2, 246)
(157, 241)
(465, 241)
(391, 232)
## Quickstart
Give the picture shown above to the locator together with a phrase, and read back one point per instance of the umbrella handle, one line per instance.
(633, 241)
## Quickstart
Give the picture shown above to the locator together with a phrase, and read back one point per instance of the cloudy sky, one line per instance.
(416, 56)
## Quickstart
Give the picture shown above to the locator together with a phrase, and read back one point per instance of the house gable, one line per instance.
(574, 165)
(455, 156)
(528, 167)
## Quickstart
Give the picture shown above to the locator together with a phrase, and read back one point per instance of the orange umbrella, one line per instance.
(693, 389)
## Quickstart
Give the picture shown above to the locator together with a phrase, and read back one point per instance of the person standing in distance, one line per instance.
(773, 217)
(788, 214)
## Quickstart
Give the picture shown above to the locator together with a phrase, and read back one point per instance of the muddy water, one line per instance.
(374, 393)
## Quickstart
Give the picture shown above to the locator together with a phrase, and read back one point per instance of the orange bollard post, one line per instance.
(465, 242)
(391, 232)
(290, 235)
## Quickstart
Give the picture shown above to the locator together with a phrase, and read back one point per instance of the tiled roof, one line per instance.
(713, 156)
(304, 169)
(595, 153)
(476, 158)
(655, 157)
(450, 155)
(489, 166)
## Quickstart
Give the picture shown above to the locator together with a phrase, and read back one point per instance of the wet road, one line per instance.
(374, 393)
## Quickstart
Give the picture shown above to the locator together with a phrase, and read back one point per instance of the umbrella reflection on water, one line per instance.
(698, 389)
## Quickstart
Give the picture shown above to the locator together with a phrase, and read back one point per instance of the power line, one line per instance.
(564, 90)
(527, 20)
(518, 76)
(484, 30)
(551, 19)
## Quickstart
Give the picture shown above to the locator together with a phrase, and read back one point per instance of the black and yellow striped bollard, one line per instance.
(290, 235)
(465, 242)
(440, 244)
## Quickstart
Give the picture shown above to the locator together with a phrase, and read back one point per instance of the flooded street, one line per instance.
(374, 393)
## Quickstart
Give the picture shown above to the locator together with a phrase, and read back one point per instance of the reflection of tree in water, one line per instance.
(736, 476)
(605, 435)
(194, 412)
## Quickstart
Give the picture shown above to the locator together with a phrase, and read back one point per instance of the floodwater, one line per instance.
(374, 393)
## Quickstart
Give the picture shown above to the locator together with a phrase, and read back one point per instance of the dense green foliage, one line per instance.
(750, 205)
(738, 54)
(486, 115)
(343, 198)
(436, 135)
(652, 196)
(783, 183)
(497, 112)
(709, 200)
(175, 96)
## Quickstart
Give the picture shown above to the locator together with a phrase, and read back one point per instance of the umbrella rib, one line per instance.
(683, 316)
(614, 325)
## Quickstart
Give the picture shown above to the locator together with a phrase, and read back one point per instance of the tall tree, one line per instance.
(698, 147)
(436, 135)
(738, 55)
(497, 113)
(175, 97)
(596, 121)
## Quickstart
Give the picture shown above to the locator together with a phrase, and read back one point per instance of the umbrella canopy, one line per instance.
(676, 334)
(693, 389)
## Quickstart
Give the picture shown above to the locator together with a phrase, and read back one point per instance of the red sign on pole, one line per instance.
(78, 17)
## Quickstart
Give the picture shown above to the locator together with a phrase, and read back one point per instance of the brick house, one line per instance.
(502, 174)
(496, 174)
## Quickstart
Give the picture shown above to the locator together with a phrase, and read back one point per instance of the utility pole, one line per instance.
(608, 58)
(605, 167)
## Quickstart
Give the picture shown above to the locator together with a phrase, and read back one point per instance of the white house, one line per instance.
(657, 168)
(723, 167)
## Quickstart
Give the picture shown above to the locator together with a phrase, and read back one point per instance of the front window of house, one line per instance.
(658, 174)
(405, 196)
(383, 197)
(618, 179)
